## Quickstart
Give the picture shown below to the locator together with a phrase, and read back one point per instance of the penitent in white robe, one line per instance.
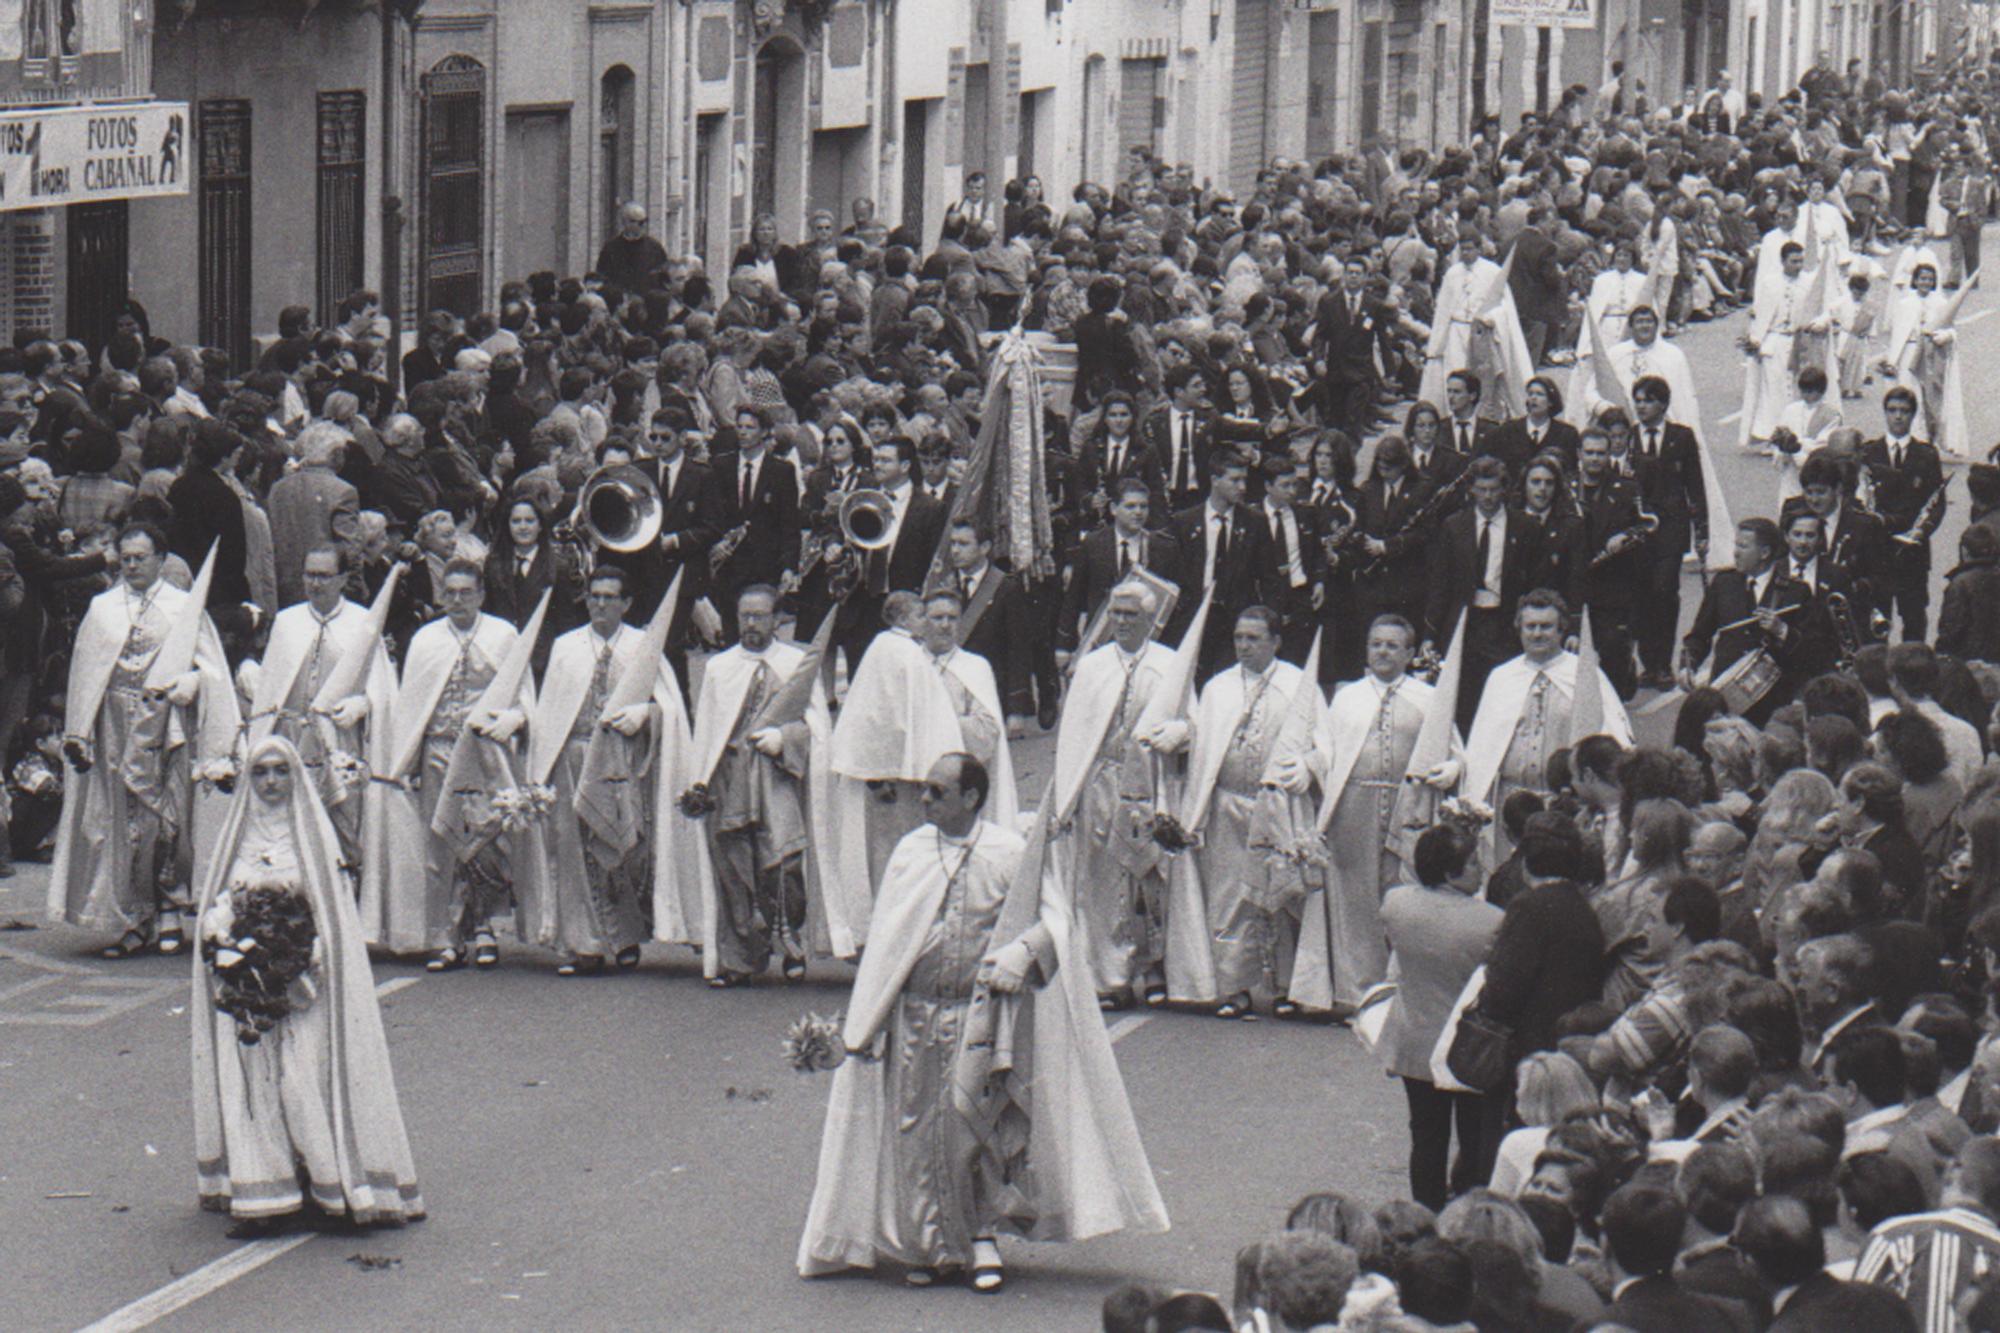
(1465, 297)
(1524, 717)
(1923, 348)
(1361, 755)
(1228, 931)
(944, 1137)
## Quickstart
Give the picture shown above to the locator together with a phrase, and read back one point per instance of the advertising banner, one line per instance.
(74, 155)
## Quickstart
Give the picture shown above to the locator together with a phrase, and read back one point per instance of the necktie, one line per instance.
(1184, 453)
(1485, 547)
(1221, 545)
(1896, 454)
(1653, 442)
(743, 488)
(1465, 437)
(1124, 555)
(965, 582)
(1115, 464)
(1319, 493)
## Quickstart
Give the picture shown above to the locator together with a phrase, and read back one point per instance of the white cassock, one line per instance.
(1630, 363)
(836, 908)
(302, 652)
(671, 852)
(1769, 380)
(1813, 424)
(1524, 717)
(1612, 296)
(905, 709)
(1464, 297)
(1361, 755)
(1828, 231)
(443, 678)
(1105, 782)
(1226, 930)
(96, 879)
(1923, 347)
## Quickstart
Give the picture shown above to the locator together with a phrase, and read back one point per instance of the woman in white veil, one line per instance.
(306, 1110)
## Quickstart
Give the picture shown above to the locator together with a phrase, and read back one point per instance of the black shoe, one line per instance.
(1049, 714)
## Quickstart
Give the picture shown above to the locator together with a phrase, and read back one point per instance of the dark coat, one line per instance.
(1969, 619)
(1900, 497)
(207, 509)
(1662, 1305)
(1606, 582)
(998, 626)
(1511, 443)
(771, 543)
(1670, 484)
(1094, 571)
(1454, 566)
(1726, 601)
(1547, 959)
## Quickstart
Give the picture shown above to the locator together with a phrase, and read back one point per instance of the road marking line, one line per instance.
(1976, 316)
(44, 963)
(210, 1277)
(1129, 1024)
(240, 1262)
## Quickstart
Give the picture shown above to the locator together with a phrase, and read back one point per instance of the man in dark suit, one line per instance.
(1114, 453)
(1605, 566)
(1345, 333)
(1642, 1226)
(757, 508)
(1806, 564)
(1295, 584)
(916, 531)
(1178, 435)
(1750, 607)
(1852, 541)
(1777, 1233)
(1909, 495)
(1388, 557)
(688, 528)
(995, 624)
(1537, 281)
(1104, 557)
(1224, 548)
(1669, 465)
(1480, 564)
(1463, 431)
(1516, 442)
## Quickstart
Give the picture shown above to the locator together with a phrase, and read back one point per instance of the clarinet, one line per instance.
(1429, 511)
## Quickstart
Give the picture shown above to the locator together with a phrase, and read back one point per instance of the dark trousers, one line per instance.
(1656, 615)
(1489, 641)
(1611, 633)
(1910, 593)
(1435, 1178)
(1496, 1118)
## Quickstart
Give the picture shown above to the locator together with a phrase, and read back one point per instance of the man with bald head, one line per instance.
(1716, 855)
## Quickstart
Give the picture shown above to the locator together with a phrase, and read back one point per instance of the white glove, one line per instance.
(501, 726)
(1445, 776)
(1293, 776)
(769, 741)
(184, 689)
(1169, 737)
(629, 721)
(1007, 970)
(349, 712)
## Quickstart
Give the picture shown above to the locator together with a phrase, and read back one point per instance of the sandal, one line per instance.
(1285, 1009)
(628, 957)
(794, 969)
(1156, 995)
(920, 1277)
(171, 941)
(1236, 1006)
(446, 960)
(485, 953)
(130, 943)
(726, 980)
(585, 966)
(1114, 1002)
(987, 1275)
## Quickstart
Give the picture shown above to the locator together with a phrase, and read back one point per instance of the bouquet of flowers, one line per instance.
(697, 801)
(33, 775)
(345, 772)
(220, 774)
(1467, 813)
(814, 1044)
(515, 808)
(269, 946)
(1170, 835)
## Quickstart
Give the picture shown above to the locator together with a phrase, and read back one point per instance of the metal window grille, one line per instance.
(341, 212)
(223, 127)
(454, 182)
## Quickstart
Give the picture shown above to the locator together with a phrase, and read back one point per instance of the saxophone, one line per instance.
(718, 554)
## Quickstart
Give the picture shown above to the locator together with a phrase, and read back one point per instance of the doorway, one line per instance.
(537, 191)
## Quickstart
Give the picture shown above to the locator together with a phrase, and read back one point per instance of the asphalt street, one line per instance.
(632, 1152)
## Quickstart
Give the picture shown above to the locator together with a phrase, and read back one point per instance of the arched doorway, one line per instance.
(778, 135)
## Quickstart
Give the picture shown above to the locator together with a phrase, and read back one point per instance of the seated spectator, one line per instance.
(1929, 1260)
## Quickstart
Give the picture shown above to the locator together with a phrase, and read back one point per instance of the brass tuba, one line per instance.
(867, 520)
(619, 508)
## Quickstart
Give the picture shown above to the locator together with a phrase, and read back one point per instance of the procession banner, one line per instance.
(1545, 13)
(76, 155)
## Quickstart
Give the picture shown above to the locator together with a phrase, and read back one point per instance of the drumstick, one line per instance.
(1751, 620)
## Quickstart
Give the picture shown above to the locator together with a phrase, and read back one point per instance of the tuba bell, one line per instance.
(867, 520)
(619, 508)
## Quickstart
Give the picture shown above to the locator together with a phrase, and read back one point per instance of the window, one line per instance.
(454, 176)
(342, 195)
(616, 133)
(223, 126)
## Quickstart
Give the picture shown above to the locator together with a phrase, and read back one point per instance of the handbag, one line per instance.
(1478, 1053)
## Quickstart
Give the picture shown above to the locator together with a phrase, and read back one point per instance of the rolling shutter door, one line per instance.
(1251, 85)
